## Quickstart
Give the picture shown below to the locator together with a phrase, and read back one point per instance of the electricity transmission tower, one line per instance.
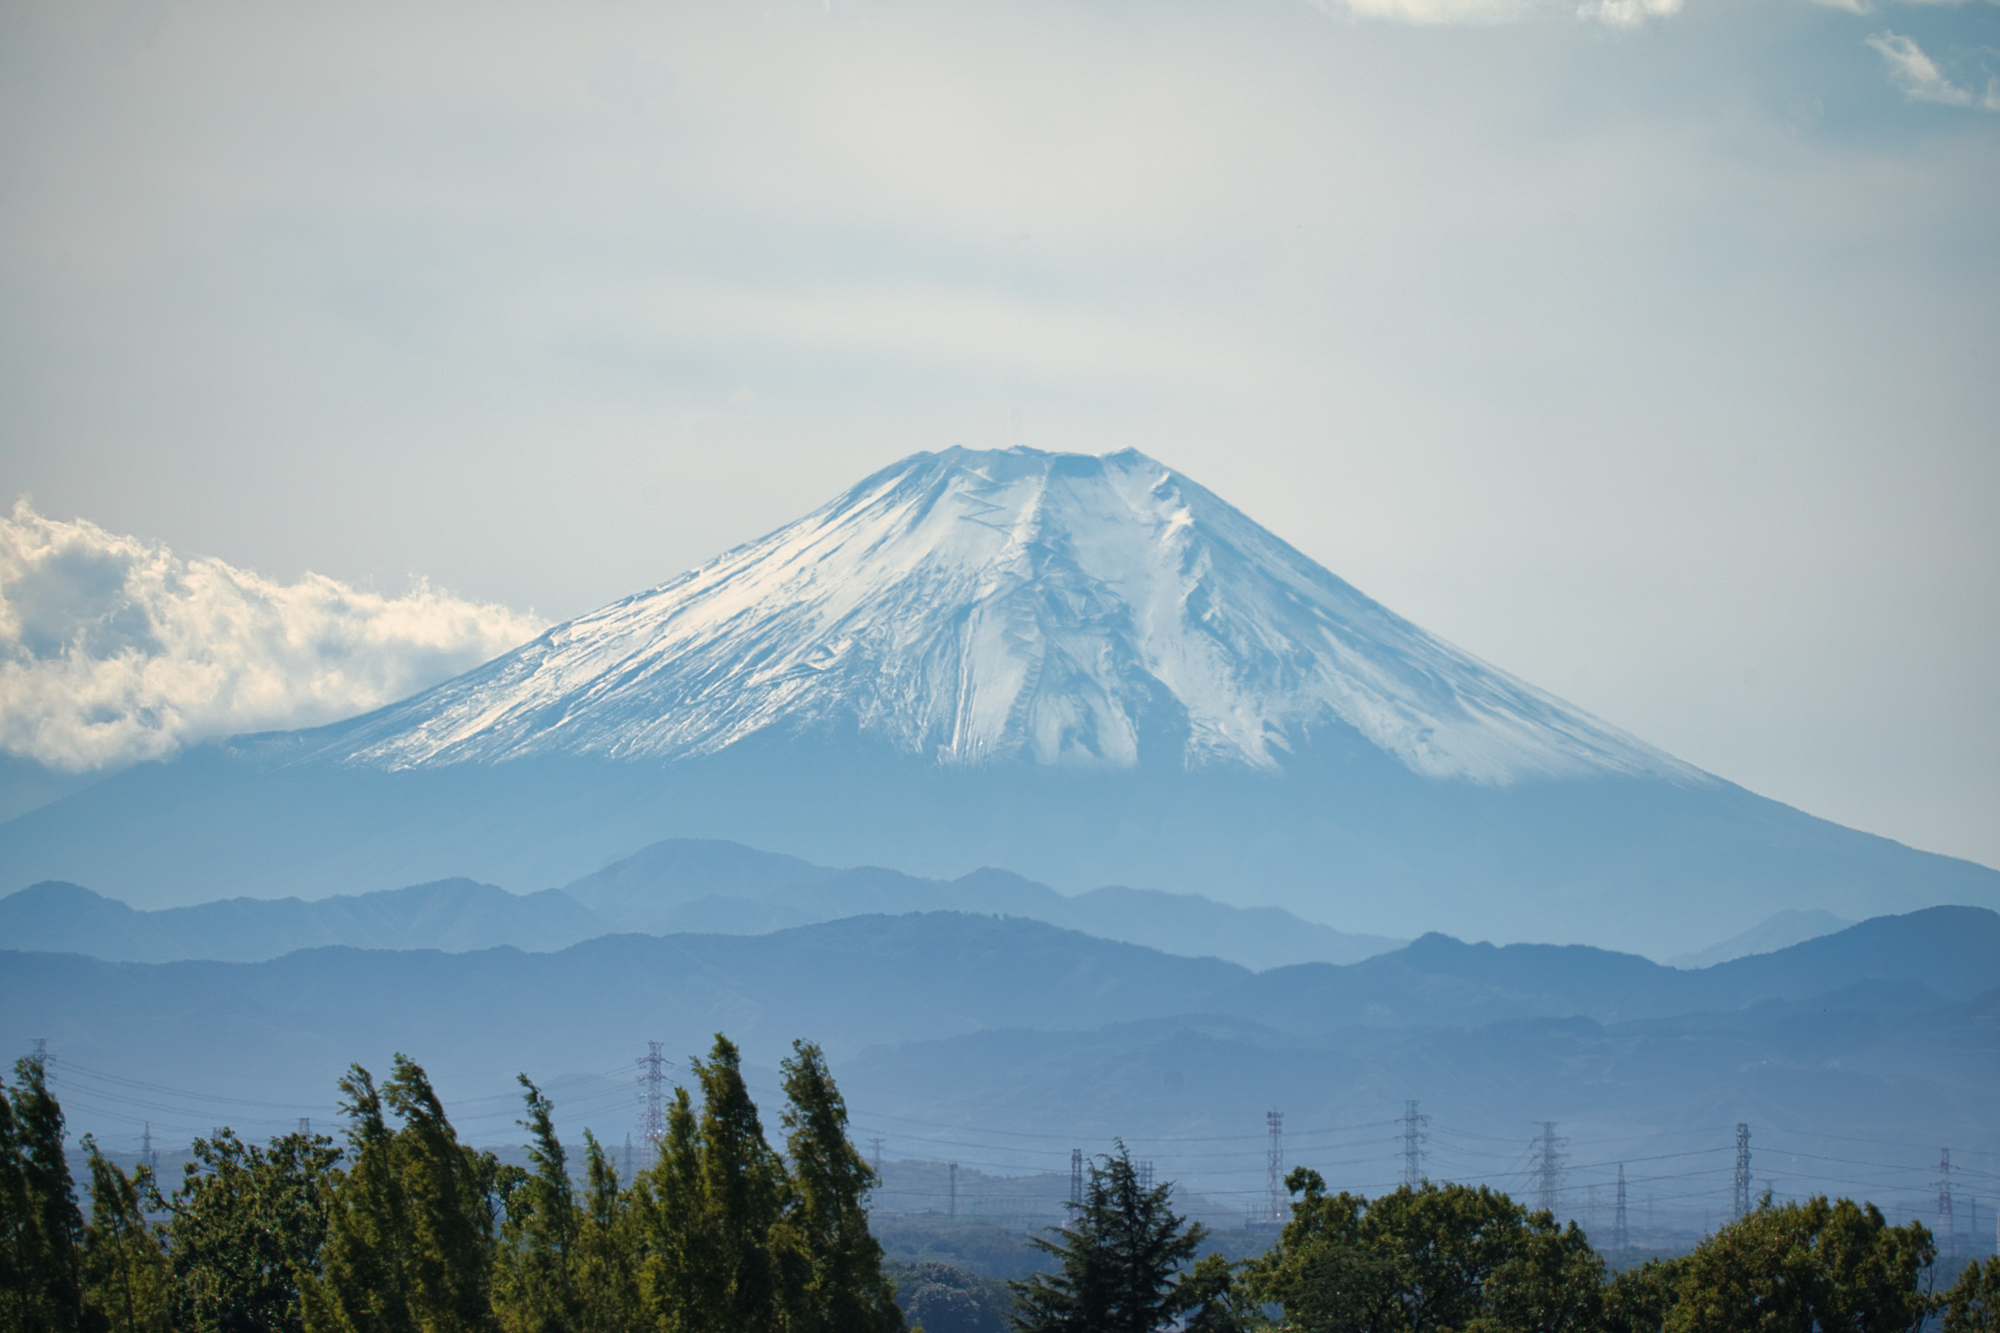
(1274, 1166)
(1740, 1191)
(954, 1192)
(1413, 1141)
(1548, 1168)
(1146, 1176)
(653, 1082)
(1947, 1229)
(1076, 1175)
(1621, 1238)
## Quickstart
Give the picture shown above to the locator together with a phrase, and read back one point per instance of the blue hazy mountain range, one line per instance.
(1087, 670)
(673, 887)
(1021, 1028)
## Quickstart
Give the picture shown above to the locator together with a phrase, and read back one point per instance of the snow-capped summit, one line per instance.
(971, 606)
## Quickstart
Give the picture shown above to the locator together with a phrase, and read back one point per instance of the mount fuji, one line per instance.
(1087, 669)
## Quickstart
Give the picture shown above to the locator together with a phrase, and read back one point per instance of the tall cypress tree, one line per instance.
(609, 1254)
(666, 1207)
(448, 1191)
(740, 1198)
(535, 1284)
(412, 1228)
(834, 1281)
(41, 1228)
(125, 1269)
(363, 1286)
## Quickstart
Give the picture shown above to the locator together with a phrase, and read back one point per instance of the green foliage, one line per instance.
(1639, 1299)
(1551, 1282)
(1800, 1267)
(411, 1234)
(1973, 1303)
(125, 1269)
(1424, 1258)
(943, 1298)
(536, 1286)
(833, 1263)
(246, 1229)
(421, 1234)
(606, 1260)
(41, 1228)
(1209, 1295)
(1416, 1260)
(410, 1231)
(709, 1207)
(1120, 1257)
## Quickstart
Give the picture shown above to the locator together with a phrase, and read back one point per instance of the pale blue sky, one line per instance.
(1649, 351)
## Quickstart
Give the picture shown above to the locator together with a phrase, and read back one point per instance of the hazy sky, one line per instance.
(1649, 350)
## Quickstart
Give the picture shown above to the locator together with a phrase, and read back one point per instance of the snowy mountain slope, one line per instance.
(1063, 609)
(1084, 670)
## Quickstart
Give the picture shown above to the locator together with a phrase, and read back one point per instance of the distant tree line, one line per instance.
(406, 1230)
(1462, 1259)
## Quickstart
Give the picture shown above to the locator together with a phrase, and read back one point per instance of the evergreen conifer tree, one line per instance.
(1119, 1258)
(412, 1230)
(125, 1270)
(1973, 1303)
(834, 1280)
(667, 1208)
(535, 1289)
(41, 1228)
(609, 1254)
(740, 1197)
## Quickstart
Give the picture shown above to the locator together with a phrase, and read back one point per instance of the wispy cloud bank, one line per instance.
(113, 650)
(1922, 81)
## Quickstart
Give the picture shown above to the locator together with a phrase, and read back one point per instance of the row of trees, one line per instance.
(1463, 1259)
(406, 1229)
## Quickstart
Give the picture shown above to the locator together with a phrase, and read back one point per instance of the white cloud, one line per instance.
(1628, 13)
(1616, 13)
(113, 650)
(1922, 81)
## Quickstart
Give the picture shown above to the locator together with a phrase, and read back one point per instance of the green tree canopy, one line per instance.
(1973, 1303)
(1802, 1267)
(412, 1229)
(834, 1263)
(1425, 1259)
(245, 1229)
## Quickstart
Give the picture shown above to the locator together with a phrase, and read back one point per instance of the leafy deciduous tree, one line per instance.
(1800, 1267)
(245, 1232)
